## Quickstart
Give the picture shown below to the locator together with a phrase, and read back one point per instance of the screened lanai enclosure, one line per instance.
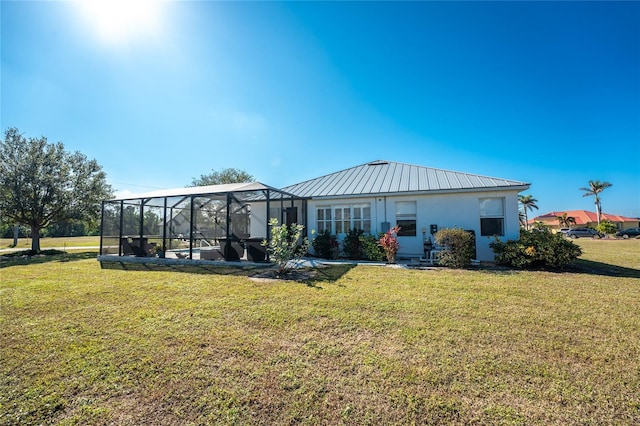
(219, 222)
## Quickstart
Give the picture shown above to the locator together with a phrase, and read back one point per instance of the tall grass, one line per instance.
(363, 345)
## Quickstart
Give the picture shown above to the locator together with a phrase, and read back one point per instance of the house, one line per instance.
(220, 222)
(378, 195)
(586, 218)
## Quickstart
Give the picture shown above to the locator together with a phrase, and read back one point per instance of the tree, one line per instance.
(595, 188)
(42, 184)
(223, 176)
(522, 220)
(528, 203)
(566, 221)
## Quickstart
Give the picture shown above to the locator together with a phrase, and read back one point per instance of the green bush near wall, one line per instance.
(458, 247)
(538, 248)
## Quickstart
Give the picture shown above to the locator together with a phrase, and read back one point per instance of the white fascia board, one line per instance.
(517, 188)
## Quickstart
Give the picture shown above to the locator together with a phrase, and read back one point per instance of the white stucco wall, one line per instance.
(461, 210)
(259, 217)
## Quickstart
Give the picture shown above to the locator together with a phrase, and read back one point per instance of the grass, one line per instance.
(25, 243)
(362, 345)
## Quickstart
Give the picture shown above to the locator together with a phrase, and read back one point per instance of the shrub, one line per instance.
(389, 243)
(284, 246)
(371, 247)
(458, 247)
(541, 225)
(351, 245)
(325, 244)
(536, 249)
(606, 227)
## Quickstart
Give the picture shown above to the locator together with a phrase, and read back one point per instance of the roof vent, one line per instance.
(378, 163)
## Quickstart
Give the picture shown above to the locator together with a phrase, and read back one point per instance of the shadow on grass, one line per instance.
(190, 269)
(16, 259)
(308, 276)
(312, 277)
(581, 266)
(332, 273)
(598, 268)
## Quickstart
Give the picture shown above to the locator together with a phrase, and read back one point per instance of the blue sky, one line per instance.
(160, 93)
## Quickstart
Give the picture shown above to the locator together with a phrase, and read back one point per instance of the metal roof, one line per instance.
(205, 190)
(387, 177)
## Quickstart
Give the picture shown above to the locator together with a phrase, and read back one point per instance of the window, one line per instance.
(324, 219)
(274, 212)
(491, 217)
(406, 212)
(362, 218)
(340, 219)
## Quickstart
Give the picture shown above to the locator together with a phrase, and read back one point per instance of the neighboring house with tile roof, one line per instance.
(381, 194)
(585, 218)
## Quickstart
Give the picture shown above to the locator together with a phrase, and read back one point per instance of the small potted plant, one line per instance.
(389, 242)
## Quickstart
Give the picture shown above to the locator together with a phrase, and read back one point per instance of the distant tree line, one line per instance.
(69, 228)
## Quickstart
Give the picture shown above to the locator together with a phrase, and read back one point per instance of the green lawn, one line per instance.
(358, 345)
(25, 243)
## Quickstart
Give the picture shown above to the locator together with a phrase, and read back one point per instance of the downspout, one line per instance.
(385, 208)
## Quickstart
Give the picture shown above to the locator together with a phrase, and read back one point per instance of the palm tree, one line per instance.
(528, 203)
(522, 220)
(566, 221)
(596, 187)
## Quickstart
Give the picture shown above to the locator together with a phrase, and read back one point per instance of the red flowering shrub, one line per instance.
(389, 242)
